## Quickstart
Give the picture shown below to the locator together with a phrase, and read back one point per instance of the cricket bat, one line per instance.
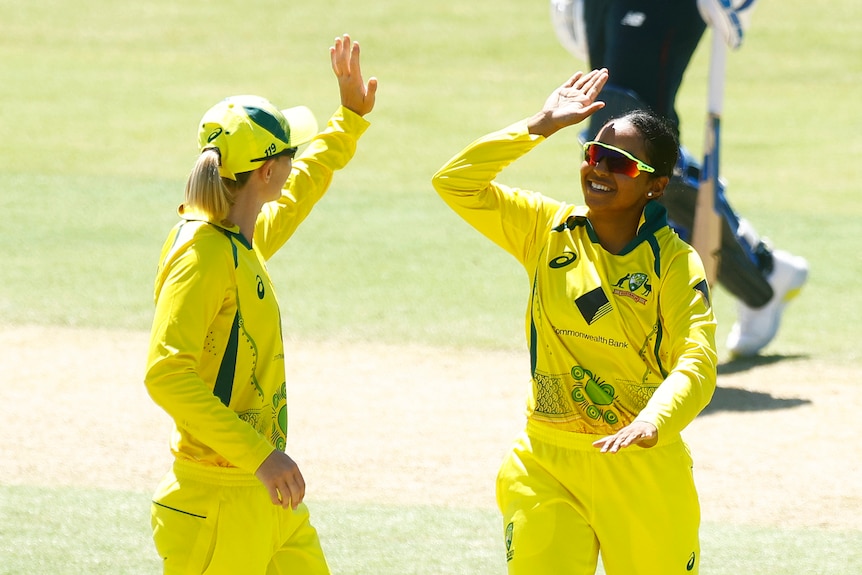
(706, 232)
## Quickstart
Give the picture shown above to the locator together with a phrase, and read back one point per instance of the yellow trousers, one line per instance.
(563, 502)
(218, 521)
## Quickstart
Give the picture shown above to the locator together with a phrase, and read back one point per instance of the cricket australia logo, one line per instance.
(634, 286)
(593, 395)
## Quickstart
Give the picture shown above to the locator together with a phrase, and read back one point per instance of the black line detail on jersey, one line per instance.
(223, 388)
(261, 290)
(177, 236)
(594, 305)
(179, 510)
(659, 336)
(703, 289)
(534, 336)
(571, 223)
(656, 252)
(691, 560)
(563, 260)
(231, 236)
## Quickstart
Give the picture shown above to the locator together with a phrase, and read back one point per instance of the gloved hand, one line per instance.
(727, 18)
(567, 17)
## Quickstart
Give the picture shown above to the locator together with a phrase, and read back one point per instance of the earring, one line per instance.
(649, 194)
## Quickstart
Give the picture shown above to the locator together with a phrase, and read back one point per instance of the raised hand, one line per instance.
(571, 103)
(355, 94)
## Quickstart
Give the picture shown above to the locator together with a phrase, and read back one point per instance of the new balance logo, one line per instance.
(633, 19)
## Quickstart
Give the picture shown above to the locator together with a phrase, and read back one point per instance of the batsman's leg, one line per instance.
(745, 260)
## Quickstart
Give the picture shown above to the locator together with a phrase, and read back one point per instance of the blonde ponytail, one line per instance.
(207, 193)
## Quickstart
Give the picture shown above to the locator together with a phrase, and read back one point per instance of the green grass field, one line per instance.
(101, 104)
(99, 532)
(100, 101)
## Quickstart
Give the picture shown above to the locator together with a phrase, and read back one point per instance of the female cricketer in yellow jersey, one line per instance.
(622, 346)
(232, 502)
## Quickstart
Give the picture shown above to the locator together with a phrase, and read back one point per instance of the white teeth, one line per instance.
(600, 187)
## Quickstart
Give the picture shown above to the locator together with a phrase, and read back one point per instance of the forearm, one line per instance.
(331, 150)
(689, 340)
(175, 385)
(335, 146)
(544, 124)
(678, 400)
(473, 169)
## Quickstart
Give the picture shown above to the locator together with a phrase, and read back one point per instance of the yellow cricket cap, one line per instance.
(247, 130)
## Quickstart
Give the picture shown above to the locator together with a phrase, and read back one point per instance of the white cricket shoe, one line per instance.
(755, 327)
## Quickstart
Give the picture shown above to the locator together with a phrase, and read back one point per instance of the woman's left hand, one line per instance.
(355, 94)
(570, 104)
(638, 433)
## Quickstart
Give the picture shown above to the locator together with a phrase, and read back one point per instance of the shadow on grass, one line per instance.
(735, 399)
(740, 364)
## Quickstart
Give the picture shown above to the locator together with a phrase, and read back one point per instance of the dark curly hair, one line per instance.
(660, 139)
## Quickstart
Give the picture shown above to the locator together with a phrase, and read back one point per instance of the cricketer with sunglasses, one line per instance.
(621, 338)
(647, 45)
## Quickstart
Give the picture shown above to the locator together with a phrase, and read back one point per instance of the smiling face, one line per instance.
(607, 192)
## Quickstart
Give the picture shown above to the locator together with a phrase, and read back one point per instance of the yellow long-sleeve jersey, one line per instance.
(216, 356)
(612, 337)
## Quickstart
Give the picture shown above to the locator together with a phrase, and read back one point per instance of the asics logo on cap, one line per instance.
(216, 133)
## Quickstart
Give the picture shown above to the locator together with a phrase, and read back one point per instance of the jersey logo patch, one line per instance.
(261, 291)
(630, 284)
(594, 305)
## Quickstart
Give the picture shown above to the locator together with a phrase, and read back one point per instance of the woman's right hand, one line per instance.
(282, 478)
(355, 94)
